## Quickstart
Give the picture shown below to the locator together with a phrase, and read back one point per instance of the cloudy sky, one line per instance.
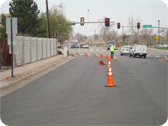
(147, 12)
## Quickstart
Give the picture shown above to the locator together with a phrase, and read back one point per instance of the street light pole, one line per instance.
(88, 14)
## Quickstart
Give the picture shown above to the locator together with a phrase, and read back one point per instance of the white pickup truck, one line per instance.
(139, 50)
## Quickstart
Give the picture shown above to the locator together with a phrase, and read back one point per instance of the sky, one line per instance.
(147, 12)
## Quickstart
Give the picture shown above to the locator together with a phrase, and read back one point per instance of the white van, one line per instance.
(139, 50)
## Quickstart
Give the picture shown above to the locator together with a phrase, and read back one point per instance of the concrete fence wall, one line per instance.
(34, 49)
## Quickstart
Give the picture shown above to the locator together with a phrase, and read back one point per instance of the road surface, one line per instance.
(75, 94)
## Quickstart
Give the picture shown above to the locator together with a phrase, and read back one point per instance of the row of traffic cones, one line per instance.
(95, 54)
(110, 82)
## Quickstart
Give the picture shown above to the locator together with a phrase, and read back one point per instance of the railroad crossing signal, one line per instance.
(118, 25)
(82, 21)
(138, 25)
(107, 22)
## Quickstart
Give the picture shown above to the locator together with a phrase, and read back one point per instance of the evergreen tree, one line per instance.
(3, 34)
(27, 13)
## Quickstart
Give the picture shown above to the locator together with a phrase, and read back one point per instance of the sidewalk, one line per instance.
(23, 72)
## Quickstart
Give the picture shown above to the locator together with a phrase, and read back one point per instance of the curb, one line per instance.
(30, 75)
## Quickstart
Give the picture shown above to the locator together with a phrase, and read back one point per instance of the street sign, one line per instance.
(117, 45)
(147, 26)
(157, 37)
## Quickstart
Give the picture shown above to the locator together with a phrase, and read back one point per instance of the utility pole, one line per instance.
(48, 24)
(159, 31)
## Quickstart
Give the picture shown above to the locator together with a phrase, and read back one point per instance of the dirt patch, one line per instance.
(165, 59)
(5, 67)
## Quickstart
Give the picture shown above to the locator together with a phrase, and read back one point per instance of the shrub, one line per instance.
(5, 56)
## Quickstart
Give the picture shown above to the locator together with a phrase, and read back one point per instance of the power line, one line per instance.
(111, 7)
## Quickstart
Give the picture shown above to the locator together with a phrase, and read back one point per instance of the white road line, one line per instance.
(157, 56)
(165, 56)
(81, 54)
(103, 50)
(97, 50)
(89, 54)
(91, 50)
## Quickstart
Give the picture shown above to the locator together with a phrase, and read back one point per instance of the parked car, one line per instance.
(158, 45)
(125, 50)
(140, 50)
(84, 45)
(75, 46)
(110, 44)
(165, 45)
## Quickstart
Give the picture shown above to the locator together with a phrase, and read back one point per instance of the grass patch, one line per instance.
(59, 47)
(74, 48)
(161, 48)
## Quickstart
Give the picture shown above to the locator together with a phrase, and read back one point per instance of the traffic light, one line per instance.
(107, 22)
(138, 25)
(82, 21)
(118, 25)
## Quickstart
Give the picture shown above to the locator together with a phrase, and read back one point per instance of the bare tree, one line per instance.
(79, 37)
(108, 33)
(146, 34)
(96, 36)
(133, 30)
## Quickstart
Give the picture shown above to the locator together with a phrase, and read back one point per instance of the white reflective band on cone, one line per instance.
(110, 73)
(110, 69)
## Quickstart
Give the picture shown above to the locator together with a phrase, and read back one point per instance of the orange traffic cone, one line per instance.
(109, 65)
(109, 58)
(107, 55)
(101, 55)
(86, 54)
(100, 62)
(110, 79)
(95, 54)
(76, 52)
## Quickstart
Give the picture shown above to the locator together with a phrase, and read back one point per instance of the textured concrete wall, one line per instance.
(44, 50)
(55, 46)
(19, 45)
(26, 49)
(51, 47)
(48, 48)
(33, 49)
(39, 49)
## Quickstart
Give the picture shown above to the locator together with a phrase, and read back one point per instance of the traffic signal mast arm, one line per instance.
(90, 22)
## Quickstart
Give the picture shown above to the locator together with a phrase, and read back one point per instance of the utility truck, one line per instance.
(138, 50)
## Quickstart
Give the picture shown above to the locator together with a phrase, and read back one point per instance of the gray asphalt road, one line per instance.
(74, 94)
